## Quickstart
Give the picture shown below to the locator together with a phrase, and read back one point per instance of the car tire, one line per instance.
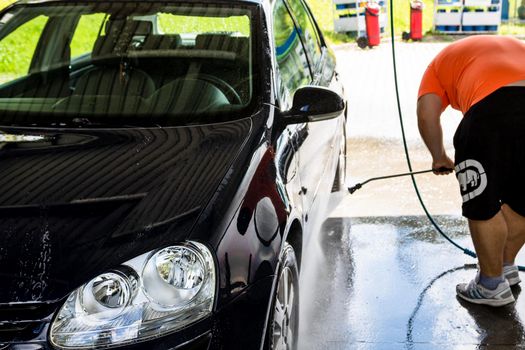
(340, 173)
(283, 327)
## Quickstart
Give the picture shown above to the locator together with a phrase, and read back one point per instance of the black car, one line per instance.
(162, 166)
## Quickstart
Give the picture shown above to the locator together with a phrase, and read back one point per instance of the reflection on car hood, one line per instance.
(74, 203)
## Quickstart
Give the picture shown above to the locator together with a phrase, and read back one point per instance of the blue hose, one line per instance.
(465, 250)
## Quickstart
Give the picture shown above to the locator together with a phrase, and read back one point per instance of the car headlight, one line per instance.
(154, 294)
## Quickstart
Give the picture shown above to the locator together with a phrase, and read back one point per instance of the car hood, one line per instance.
(75, 202)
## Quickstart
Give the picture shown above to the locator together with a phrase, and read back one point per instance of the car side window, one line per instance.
(291, 56)
(17, 58)
(86, 34)
(308, 31)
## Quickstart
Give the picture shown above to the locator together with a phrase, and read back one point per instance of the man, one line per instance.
(483, 77)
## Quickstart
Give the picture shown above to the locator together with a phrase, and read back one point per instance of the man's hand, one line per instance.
(438, 165)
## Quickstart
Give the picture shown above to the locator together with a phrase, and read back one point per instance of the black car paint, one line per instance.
(121, 194)
(80, 217)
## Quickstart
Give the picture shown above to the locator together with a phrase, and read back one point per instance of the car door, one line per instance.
(303, 59)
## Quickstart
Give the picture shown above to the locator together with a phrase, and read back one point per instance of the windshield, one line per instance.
(137, 63)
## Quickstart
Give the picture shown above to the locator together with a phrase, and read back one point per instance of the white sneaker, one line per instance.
(512, 274)
(475, 293)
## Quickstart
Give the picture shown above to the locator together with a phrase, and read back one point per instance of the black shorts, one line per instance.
(490, 154)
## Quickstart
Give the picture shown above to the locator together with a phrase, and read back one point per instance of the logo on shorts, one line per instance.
(472, 179)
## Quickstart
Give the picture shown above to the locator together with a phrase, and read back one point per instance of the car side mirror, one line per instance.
(314, 103)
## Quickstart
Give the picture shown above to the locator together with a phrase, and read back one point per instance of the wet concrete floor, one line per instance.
(377, 275)
(389, 283)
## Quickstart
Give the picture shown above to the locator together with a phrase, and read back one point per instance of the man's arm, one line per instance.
(428, 119)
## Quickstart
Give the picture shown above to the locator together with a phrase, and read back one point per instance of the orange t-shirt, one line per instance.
(470, 69)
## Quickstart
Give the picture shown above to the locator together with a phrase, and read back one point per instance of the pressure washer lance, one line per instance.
(359, 185)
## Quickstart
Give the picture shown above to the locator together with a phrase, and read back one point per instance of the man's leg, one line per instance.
(481, 168)
(516, 234)
(489, 237)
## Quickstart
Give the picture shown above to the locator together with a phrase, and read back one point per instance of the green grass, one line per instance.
(169, 23)
(86, 34)
(4, 3)
(324, 12)
(16, 50)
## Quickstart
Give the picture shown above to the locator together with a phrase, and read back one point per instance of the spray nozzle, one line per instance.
(354, 188)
